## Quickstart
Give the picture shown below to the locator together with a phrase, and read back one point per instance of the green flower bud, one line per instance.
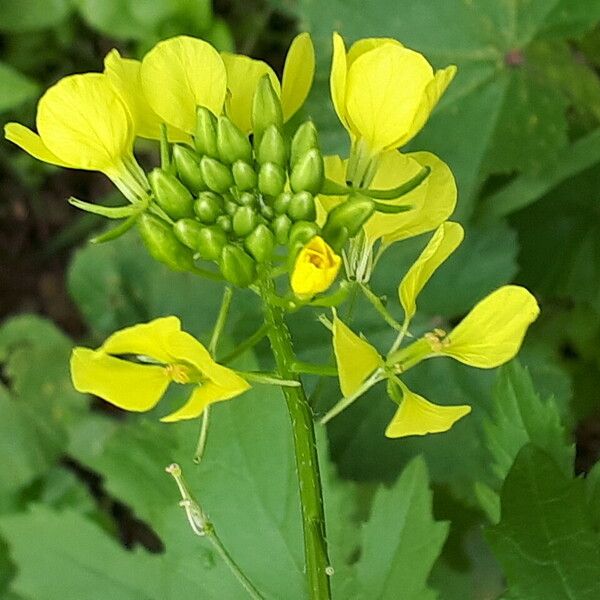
(267, 211)
(188, 168)
(171, 195)
(282, 203)
(302, 207)
(216, 175)
(163, 245)
(271, 179)
(308, 174)
(244, 175)
(205, 139)
(237, 266)
(336, 238)
(230, 207)
(351, 214)
(260, 243)
(272, 147)
(207, 241)
(232, 144)
(208, 207)
(266, 109)
(248, 199)
(281, 228)
(244, 221)
(304, 140)
(224, 223)
(302, 232)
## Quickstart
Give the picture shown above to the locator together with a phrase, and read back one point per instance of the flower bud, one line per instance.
(171, 195)
(315, 268)
(281, 228)
(260, 243)
(224, 223)
(266, 109)
(302, 232)
(308, 174)
(188, 168)
(244, 175)
(271, 179)
(208, 207)
(163, 245)
(216, 175)
(304, 140)
(351, 214)
(282, 203)
(267, 211)
(302, 207)
(237, 266)
(187, 231)
(205, 139)
(248, 199)
(207, 241)
(232, 144)
(272, 147)
(244, 221)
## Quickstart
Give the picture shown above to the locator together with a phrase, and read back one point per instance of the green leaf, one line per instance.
(15, 88)
(32, 15)
(592, 488)
(401, 540)
(545, 540)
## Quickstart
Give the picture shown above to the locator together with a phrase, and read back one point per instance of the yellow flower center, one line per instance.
(179, 373)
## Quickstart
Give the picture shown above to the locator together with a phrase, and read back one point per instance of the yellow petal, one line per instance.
(298, 74)
(417, 416)
(492, 333)
(125, 384)
(315, 269)
(243, 75)
(337, 79)
(83, 121)
(361, 46)
(124, 75)
(32, 143)
(356, 359)
(180, 74)
(201, 397)
(384, 89)
(443, 243)
(146, 339)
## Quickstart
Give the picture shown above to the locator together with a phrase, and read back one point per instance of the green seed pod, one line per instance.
(248, 199)
(232, 144)
(281, 228)
(188, 168)
(208, 207)
(260, 243)
(216, 175)
(244, 221)
(282, 203)
(271, 179)
(302, 207)
(244, 175)
(308, 173)
(205, 139)
(351, 214)
(163, 245)
(237, 266)
(304, 140)
(266, 109)
(171, 195)
(224, 223)
(272, 147)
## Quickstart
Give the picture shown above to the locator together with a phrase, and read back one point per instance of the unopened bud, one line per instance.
(163, 245)
(171, 195)
(244, 175)
(300, 234)
(266, 109)
(281, 228)
(205, 139)
(308, 173)
(237, 266)
(272, 147)
(208, 207)
(207, 241)
(216, 175)
(187, 164)
(351, 214)
(260, 243)
(282, 203)
(232, 143)
(224, 223)
(244, 221)
(304, 140)
(247, 199)
(271, 179)
(302, 207)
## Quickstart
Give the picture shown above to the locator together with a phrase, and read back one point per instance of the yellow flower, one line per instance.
(315, 269)
(383, 92)
(244, 73)
(180, 74)
(83, 123)
(165, 354)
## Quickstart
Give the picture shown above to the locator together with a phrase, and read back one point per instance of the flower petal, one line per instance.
(417, 416)
(492, 333)
(443, 243)
(384, 89)
(337, 79)
(83, 121)
(356, 359)
(298, 74)
(180, 74)
(32, 143)
(243, 75)
(315, 269)
(125, 384)
(365, 45)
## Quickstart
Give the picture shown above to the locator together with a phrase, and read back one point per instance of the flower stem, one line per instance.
(307, 462)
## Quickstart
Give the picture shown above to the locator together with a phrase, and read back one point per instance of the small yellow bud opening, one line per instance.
(316, 268)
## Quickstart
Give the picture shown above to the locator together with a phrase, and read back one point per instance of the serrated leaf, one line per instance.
(545, 540)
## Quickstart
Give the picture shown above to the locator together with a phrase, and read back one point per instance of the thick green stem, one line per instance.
(307, 462)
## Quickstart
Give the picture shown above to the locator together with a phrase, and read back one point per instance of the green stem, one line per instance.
(307, 462)
(248, 343)
(299, 366)
(379, 307)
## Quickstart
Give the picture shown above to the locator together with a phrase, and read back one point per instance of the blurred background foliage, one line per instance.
(85, 508)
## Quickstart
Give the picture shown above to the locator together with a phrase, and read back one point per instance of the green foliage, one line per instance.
(15, 87)
(32, 15)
